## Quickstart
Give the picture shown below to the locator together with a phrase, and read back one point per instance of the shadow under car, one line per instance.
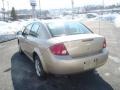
(24, 78)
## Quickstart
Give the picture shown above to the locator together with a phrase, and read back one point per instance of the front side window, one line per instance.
(27, 29)
(67, 28)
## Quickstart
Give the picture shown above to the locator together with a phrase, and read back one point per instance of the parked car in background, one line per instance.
(62, 47)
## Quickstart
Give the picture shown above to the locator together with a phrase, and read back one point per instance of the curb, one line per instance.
(7, 40)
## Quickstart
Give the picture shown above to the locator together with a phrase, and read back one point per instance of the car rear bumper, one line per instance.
(77, 65)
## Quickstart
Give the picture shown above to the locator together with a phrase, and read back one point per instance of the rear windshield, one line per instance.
(67, 28)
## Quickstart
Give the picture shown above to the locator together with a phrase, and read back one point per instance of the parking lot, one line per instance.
(17, 71)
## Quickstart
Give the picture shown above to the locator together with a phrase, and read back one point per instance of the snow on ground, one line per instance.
(80, 17)
(13, 27)
(2, 23)
(109, 17)
(10, 27)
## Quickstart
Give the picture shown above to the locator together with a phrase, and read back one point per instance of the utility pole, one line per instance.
(33, 4)
(8, 8)
(72, 2)
(40, 8)
(103, 4)
(3, 9)
(102, 12)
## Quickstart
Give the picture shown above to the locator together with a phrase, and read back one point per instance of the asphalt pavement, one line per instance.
(17, 71)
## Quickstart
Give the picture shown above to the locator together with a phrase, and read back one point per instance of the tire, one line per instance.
(92, 71)
(38, 67)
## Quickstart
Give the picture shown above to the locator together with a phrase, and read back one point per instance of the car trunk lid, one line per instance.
(82, 44)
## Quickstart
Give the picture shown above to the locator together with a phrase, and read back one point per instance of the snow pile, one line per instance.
(109, 17)
(3, 27)
(81, 17)
(10, 27)
(2, 23)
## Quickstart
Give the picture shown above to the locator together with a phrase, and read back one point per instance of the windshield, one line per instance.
(67, 28)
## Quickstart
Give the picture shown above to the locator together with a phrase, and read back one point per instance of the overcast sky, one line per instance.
(54, 4)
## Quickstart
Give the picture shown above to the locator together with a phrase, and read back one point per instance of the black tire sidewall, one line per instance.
(42, 73)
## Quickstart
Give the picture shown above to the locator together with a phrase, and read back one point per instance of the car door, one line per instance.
(32, 38)
(24, 36)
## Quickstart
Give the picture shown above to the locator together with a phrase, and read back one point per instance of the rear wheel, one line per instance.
(38, 67)
(91, 71)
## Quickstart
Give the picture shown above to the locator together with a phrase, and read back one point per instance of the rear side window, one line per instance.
(67, 28)
(42, 32)
(34, 29)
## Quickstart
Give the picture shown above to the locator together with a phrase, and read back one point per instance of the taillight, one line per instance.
(104, 43)
(59, 49)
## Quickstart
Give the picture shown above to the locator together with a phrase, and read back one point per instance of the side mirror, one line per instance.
(19, 33)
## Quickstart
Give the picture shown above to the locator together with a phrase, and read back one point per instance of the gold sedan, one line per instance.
(62, 47)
